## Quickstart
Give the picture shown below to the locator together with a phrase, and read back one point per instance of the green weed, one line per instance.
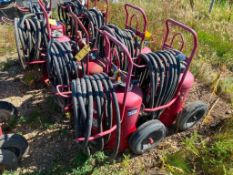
(4, 66)
(212, 157)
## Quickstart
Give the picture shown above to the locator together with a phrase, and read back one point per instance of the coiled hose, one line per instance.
(28, 35)
(94, 100)
(61, 65)
(93, 20)
(125, 36)
(160, 79)
(61, 68)
(31, 35)
(63, 10)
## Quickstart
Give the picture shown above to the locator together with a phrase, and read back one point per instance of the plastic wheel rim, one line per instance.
(194, 119)
(155, 136)
(5, 115)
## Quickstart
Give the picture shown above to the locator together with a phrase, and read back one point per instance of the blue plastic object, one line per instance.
(5, 1)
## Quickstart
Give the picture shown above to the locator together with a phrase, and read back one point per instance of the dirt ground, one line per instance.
(55, 145)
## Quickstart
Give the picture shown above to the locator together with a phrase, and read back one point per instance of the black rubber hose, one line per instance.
(163, 74)
(76, 117)
(89, 119)
(56, 67)
(170, 75)
(158, 66)
(29, 34)
(64, 60)
(176, 68)
(153, 80)
(125, 37)
(93, 20)
(99, 106)
(161, 70)
(61, 63)
(107, 105)
(117, 117)
(59, 69)
(101, 96)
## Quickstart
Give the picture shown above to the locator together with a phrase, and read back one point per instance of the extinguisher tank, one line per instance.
(170, 114)
(132, 109)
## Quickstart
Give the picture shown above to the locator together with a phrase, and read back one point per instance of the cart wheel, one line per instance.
(8, 160)
(147, 136)
(191, 114)
(14, 142)
(8, 113)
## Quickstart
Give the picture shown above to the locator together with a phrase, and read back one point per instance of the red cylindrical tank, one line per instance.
(170, 114)
(146, 50)
(132, 110)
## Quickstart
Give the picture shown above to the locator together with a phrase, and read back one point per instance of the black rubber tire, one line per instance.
(152, 128)
(8, 160)
(15, 143)
(8, 113)
(191, 115)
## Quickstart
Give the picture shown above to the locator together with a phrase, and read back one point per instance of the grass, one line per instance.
(212, 156)
(220, 48)
(9, 62)
(7, 40)
(81, 164)
(39, 117)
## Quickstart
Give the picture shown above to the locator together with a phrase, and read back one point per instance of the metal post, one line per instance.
(211, 6)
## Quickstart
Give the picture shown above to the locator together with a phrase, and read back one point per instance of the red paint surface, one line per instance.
(128, 126)
(170, 114)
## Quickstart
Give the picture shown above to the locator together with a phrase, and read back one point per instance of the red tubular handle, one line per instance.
(88, 4)
(99, 135)
(42, 6)
(182, 40)
(22, 9)
(79, 23)
(1, 132)
(170, 22)
(161, 107)
(108, 37)
(63, 94)
(129, 18)
(36, 62)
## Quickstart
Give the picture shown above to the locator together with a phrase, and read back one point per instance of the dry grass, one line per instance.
(7, 40)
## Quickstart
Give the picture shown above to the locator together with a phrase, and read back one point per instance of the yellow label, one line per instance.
(148, 35)
(82, 53)
(52, 22)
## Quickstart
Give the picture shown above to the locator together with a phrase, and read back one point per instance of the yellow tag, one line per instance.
(52, 22)
(82, 53)
(148, 35)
